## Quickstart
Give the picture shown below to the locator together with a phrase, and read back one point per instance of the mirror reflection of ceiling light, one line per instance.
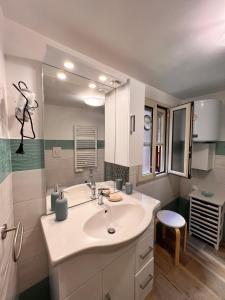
(102, 78)
(92, 85)
(95, 101)
(69, 65)
(61, 75)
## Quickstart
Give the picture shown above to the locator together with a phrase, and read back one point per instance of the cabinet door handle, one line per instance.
(146, 282)
(145, 254)
(107, 297)
(132, 124)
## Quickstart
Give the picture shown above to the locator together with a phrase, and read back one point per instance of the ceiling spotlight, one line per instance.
(92, 85)
(102, 78)
(95, 101)
(61, 75)
(69, 65)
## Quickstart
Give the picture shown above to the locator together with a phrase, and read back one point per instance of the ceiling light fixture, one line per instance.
(61, 75)
(102, 78)
(95, 101)
(92, 85)
(69, 65)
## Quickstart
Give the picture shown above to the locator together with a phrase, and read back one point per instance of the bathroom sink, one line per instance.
(91, 225)
(114, 220)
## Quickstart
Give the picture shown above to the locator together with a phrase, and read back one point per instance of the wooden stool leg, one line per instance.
(156, 222)
(177, 249)
(163, 232)
(185, 236)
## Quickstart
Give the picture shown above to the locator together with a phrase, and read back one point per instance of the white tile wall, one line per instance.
(164, 188)
(210, 181)
(62, 171)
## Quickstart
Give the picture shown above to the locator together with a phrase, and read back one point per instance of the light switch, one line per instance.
(56, 152)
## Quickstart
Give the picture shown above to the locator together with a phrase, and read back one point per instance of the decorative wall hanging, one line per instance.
(25, 108)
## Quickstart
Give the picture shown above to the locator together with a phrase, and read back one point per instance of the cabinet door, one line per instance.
(118, 278)
(110, 123)
(122, 125)
(92, 289)
(137, 105)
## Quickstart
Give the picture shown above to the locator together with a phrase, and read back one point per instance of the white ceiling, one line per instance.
(174, 45)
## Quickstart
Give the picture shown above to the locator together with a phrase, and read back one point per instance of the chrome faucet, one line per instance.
(92, 184)
(101, 195)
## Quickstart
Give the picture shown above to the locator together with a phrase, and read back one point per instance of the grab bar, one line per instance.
(4, 231)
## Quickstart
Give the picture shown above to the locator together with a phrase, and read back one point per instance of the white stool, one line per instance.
(175, 221)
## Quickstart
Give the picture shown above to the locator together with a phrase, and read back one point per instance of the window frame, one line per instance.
(141, 178)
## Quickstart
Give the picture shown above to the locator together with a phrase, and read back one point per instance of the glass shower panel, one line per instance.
(178, 140)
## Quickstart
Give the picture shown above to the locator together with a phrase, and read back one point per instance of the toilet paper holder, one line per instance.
(18, 229)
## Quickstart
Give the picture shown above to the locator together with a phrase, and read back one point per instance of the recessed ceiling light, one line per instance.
(95, 101)
(69, 65)
(102, 78)
(92, 85)
(61, 75)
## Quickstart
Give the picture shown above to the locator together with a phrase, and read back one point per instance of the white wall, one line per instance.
(28, 186)
(59, 121)
(214, 179)
(8, 272)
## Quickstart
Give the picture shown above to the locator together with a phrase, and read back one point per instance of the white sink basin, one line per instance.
(87, 225)
(114, 220)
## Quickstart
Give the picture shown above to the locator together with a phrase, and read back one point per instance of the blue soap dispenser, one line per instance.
(61, 207)
(54, 197)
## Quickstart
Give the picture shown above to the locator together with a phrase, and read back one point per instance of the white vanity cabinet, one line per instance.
(117, 273)
(124, 123)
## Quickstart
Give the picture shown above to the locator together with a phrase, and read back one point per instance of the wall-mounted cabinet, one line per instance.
(124, 123)
(203, 156)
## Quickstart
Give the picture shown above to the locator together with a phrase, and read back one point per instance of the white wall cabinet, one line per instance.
(124, 272)
(124, 123)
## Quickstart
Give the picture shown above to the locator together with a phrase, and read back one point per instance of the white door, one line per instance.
(118, 278)
(180, 140)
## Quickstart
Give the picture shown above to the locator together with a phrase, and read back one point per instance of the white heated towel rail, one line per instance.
(85, 147)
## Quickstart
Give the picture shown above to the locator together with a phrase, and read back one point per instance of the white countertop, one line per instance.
(67, 238)
(218, 198)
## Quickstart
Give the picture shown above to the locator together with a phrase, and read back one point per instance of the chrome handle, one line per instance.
(144, 255)
(146, 282)
(4, 231)
(107, 296)
(132, 124)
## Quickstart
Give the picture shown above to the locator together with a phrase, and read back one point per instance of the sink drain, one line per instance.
(111, 230)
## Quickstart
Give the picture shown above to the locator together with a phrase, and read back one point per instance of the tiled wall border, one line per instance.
(220, 148)
(68, 144)
(5, 159)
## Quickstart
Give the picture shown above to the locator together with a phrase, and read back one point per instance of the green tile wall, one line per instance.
(68, 144)
(220, 148)
(5, 159)
(33, 157)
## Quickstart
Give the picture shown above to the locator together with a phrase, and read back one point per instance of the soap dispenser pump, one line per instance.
(54, 197)
(61, 207)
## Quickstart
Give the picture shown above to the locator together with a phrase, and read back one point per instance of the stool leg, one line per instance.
(177, 249)
(185, 236)
(156, 222)
(163, 232)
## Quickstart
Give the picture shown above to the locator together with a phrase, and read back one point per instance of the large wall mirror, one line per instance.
(74, 131)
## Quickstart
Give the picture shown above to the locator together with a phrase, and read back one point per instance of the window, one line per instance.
(154, 147)
(155, 156)
(160, 164)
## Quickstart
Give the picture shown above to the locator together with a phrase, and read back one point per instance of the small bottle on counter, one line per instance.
(129, 188)
(54, 197)
(61, 207)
